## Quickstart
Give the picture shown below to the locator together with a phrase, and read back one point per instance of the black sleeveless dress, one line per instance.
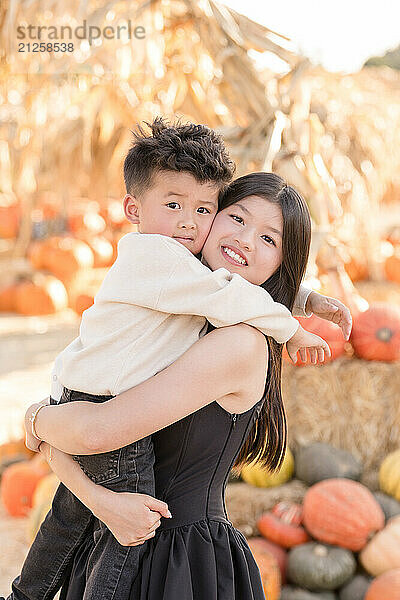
(197, 554)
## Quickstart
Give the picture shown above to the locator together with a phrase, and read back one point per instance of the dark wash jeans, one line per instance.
(112, 567)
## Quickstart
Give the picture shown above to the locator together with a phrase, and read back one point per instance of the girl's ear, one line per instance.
(131, 209)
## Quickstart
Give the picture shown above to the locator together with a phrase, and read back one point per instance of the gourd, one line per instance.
(376, 333)
(389, 505)
(382, 553)
(283, 526)
(319, 461)
(258, 475)
(356, 588)
(289, 592)
(385, 587)
(389, 475)
(263, 545)
(17, 487)
(318, 566)
(43, 295)
(342, 512)
(269, 571)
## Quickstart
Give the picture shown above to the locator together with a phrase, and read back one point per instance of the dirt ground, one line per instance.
(28, 346)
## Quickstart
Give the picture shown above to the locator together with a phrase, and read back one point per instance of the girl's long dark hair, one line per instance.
(267, 439)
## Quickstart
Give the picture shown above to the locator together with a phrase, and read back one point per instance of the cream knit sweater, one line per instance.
(152, 306)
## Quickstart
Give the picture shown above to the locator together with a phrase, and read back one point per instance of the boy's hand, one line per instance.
(330, 309)
(131, 518)
(302, 340)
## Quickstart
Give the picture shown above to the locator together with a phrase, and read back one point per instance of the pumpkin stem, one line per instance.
(384, 334)
(320, 550)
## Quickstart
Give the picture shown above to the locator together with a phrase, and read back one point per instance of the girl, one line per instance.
(212, 392)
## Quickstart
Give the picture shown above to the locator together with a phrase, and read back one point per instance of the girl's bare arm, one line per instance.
(230, 360)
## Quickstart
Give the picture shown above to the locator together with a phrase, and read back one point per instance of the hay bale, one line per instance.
(350, 403)
(245, 503)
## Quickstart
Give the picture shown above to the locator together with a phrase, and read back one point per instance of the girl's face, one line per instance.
(246, 238)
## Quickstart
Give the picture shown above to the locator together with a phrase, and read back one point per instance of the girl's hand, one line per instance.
(131, 518)
(303, 340)
(330, 309)
(30, 441)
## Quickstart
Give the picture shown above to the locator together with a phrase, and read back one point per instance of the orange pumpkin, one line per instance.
(44, 295)
(260, 544)
(7, 298)
(385, 587)
(382, 553)
(18, 484)
(376, 333)
(342, 512)
(288, 512)
(10, 216)
(63, 256)
(356, 265)
(392, 266)
(14, 447)
(83, 222)
(102, 249)
(283, 533)
(269, 571)
(82, 302)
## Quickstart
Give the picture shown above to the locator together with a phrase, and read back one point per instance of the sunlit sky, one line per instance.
(339, 34)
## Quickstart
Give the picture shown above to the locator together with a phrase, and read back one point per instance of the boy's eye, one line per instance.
(204, 208)
(169, 204)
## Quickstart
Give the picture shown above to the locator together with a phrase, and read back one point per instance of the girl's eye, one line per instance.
(239, 219)
(269, 238)
(204, 208)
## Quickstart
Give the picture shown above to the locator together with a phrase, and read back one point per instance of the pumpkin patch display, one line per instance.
(262, 545)
(382, 553)
(385, 587)
(389, 475)
(255, 474)
(376, 333)
(316, 566)
(356, 588)
(43, 295)
(342, 512)
(283, 529)
(18, 484)
(319, 461)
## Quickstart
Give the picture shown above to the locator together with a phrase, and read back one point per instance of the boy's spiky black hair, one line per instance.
(195, 149)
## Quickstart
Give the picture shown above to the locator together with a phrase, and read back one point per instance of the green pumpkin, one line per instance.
(317, 566)
(320, 461)
(289, 592)
(389, 505)
(356, 588)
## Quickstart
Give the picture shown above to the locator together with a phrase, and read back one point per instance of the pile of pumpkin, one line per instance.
(342, 542)
(27, 485)
(88, 244)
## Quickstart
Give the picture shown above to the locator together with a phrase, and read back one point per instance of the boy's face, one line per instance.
(176, 205)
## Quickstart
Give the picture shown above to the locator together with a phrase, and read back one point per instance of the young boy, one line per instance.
(150, 309)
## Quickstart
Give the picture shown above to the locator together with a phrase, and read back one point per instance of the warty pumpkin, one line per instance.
(319, 461)
(376, 333)
(389, 474)
(342, 512)
(318, 566)
(269, 571)
(281, 529)
(259, 476)
(382, 553)
(385, 587)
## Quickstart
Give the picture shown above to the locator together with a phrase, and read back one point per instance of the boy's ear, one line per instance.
(131, 209)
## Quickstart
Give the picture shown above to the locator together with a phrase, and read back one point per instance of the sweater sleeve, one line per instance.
(157, 272)
(299, 308)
